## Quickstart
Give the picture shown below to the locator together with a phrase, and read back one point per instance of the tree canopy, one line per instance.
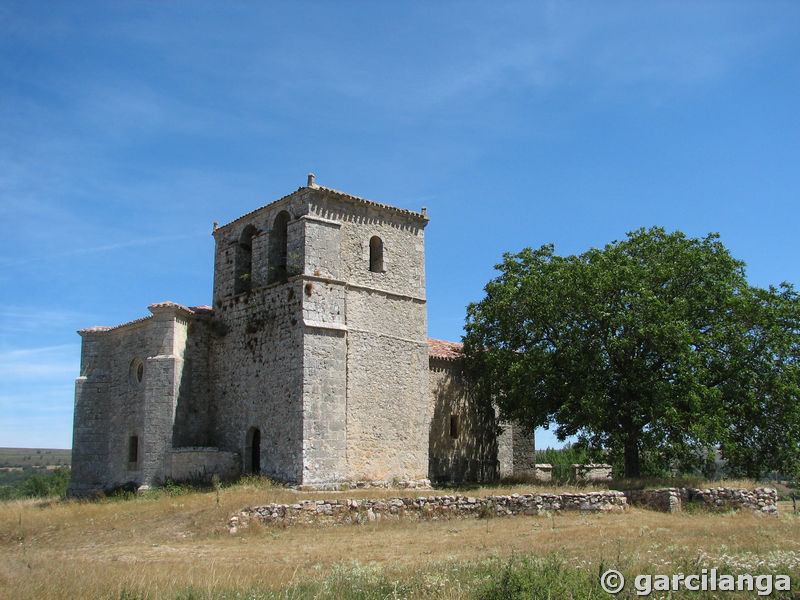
(654, 348)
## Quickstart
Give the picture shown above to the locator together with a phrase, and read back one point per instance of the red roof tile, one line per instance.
(445, 350)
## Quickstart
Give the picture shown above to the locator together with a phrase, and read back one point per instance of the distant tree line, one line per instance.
(31, 483)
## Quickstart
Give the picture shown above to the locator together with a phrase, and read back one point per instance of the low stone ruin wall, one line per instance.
(761, 499)
(543, 472)
(593, 472)
(764, 500)
(346, 511)
(427, 507)
(664, 500)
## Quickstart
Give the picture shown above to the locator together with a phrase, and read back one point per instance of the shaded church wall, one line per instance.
(462, 442)
(195, 411)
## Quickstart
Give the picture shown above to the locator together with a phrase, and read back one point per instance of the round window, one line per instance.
(137, 371)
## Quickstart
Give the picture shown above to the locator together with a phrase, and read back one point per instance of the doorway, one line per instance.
(253, 451)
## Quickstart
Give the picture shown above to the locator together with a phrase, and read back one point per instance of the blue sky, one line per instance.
(127, 129)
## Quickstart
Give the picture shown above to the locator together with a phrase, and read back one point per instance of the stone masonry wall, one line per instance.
(195, 411)
(387, 353)
(367, 421)
(324, 405)
(591, 472)
(401, 232)
(516, 451)
(350, 511)
(201, 464)
(261, 220)
(674, 499)
(90, 420)
(114, 412)
(387, 407)
(256, 363)
(132, 378)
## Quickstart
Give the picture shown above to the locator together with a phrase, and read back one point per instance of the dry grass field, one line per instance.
(179, 546)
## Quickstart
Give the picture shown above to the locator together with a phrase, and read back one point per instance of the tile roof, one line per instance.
(372, 203)
(102, 328)
(404, 211)
(193, 310)
(445, 350)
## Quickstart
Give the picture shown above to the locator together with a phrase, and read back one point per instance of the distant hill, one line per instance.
(37, 458)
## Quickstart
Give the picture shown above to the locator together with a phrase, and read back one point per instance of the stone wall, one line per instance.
(388, 413)
(195, 412)
(228, 255)
(663, 500)
(516, 451)
(543, 472)
(201, 464)
(674, 499)
(387, 407)
(591, 472)
(762, 499)
(428, 508)
(133, 377)
(351, 511)
(402, 233)
(256, 363)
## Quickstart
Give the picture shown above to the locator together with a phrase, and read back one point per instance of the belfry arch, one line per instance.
(278, 242)
(244, 261)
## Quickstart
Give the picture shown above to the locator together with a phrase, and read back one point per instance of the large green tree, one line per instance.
(654, 348)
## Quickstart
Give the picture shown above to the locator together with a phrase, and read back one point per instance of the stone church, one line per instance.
(312, 366)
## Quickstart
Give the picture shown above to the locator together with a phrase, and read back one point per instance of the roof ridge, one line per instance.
(422, 216)
(192, 310)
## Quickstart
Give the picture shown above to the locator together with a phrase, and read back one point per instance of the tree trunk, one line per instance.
(633, 467)
(630, 441)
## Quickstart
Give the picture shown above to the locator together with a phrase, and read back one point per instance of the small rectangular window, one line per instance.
(133, 452)
(453, 426)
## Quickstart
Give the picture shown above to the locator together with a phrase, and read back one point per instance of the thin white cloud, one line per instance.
(36, 318)
(98, 249)
(27, 353)
(38, 365)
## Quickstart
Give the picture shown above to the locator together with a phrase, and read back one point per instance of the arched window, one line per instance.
(277, 247)
(375, 254)
(244, 261)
